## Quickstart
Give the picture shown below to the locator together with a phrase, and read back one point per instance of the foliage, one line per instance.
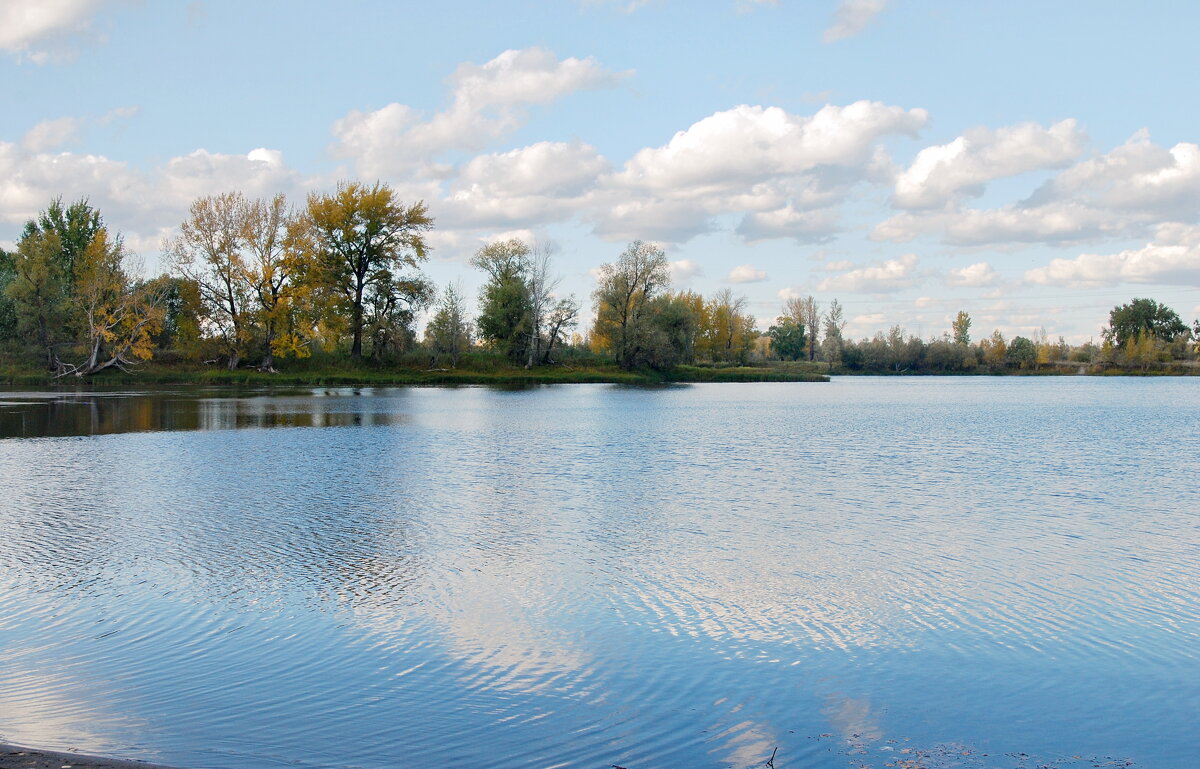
(1143, 316)
(1021, 353)
(625, 307)
(448, 333)
(961, 328)
(788, 339)
(357, 238)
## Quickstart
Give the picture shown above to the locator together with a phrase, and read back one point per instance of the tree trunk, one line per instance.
(356, 345)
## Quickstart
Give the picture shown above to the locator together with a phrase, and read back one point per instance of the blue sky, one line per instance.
(1033, 163)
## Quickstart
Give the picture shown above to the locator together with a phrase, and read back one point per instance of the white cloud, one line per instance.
(746, 273)
(747, 144)
(488, 101)
(943, 173)
(1123, 193)
(545, 168)
(885, 277)
(142, 204)
(32, 29)
(852, 17)
(683, 270)
(788, 222)
(52, 134)
(775, 168)
(1173, 257)
(975, 275)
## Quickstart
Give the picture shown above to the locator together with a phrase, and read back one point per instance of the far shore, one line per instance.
(17, 757)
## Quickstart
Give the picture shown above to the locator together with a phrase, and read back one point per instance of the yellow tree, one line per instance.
(119, 319)
(360, 235)
(994, 349)
(274, 257)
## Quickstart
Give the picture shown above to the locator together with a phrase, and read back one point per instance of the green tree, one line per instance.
(360, 236)
(8, 309)
(1127, 321)
(1021, 353)
(788, 338)
(505, 319)
(37, 291)
(961, 328)
(448, 333)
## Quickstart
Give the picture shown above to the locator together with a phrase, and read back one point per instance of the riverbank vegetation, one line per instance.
(330, 292)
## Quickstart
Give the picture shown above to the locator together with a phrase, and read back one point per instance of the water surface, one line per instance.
(956, 572)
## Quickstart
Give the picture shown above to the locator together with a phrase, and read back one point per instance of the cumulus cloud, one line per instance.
(773, 167)
(746, 273)
(941, 174)
(884, 277)
(34, 30)
(1123, 193)
(1173, 257)
(974, 275)
(852, 17)
(683, 270)
(488, 101)
(143, 204)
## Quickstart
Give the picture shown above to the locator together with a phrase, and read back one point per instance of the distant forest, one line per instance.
(337, 282)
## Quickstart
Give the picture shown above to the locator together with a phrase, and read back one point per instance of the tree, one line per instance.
(726, 332)
(77, 303)
(961, 328)
(8, 309)
(1021, 353)
(835, 324)
(360, 236)
(562, 317)
(448, 333)
(1127, 321)
(788, 338)
(806, 311)
(209, 252)
(273, 259)
(625, 304)
(994, 349)
(37, 291)
(506, 320)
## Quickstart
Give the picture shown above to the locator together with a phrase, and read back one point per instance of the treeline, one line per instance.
(253, 282)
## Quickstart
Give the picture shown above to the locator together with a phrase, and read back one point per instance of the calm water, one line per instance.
(950, 572)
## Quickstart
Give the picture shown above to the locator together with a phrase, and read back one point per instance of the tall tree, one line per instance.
(807, 311)
(961, 328)
(361, 235)
(726, 330)
(624, 302)
(835, 325)
(505, 299)
(209, 250)
(272, 261)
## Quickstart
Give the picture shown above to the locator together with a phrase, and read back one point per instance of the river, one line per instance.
(952, 572)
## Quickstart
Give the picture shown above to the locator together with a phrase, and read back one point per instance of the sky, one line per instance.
(1033, 163)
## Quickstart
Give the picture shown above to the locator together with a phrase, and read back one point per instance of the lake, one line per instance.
(880, 572)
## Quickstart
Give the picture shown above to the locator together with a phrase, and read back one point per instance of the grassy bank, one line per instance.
(379, 376)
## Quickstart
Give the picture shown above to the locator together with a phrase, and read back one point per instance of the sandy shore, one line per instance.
(15, 757)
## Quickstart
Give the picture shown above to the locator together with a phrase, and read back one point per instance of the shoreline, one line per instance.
(19, 757)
